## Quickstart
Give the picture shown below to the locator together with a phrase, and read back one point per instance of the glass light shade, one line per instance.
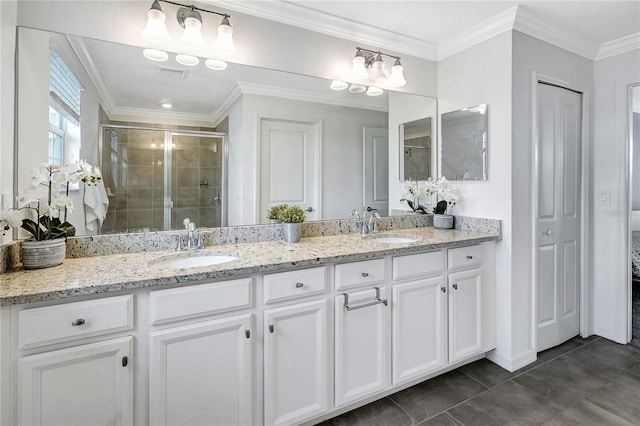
(156, 30)
(374, 91)
(188, 60)
(215, 64)
(224, 41)
(338, 85)
(155, 55)
(396, 79)
(378, 74)
(357, 88)
(192, 36)
(358, 70)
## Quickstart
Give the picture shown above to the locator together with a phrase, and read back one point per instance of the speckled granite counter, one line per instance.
(101, 274)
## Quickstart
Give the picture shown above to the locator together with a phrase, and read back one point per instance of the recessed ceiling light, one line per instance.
(215, 64)
(167, 105)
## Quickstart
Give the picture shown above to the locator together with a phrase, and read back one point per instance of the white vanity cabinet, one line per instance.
(465, 314)
(296, 364)
(84, 383)
(201, 372)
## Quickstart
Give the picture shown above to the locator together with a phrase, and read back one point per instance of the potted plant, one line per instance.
(448, 196)
(45, 205)
(274, 212)
(411, 196)
(292, 218)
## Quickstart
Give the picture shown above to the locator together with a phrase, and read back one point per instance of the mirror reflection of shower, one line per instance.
(155, 177)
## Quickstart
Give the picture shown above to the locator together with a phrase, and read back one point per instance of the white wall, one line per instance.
(610, 202)
(482, 74)
(635, 186)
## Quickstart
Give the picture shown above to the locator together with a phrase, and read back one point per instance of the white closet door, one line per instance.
(376, 169)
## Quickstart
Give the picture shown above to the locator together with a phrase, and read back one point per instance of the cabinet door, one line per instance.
(201, 374)
(84, 385)
(465, 314)
(419, 328)
(295, 362)
(362, 347)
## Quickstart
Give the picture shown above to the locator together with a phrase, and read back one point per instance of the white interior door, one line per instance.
(290, 169)
(376, 169)
(558, 215)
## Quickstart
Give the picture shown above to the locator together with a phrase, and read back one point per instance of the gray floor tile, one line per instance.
(563, 381)
(434, 396)
(379, 413)
(508, 403)
(561, 349)
(624, 356)
(442, 420)
(620, 398)
(586, 413)
(490, 374)
(599, 366)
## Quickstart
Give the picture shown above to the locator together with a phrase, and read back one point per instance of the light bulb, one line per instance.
(192, 35)
(396, 79)
(155, 30)
(357, 88)
(215, 64)
(155, 55)
(188, 60)
(358, 70)
(224, 41)
(338, 85)
(374, 91)
(378, 75)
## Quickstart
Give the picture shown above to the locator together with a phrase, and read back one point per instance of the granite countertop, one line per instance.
(101, 274)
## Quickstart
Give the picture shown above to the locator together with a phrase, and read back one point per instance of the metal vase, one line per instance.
(291, 232)
(43, 254)
(442, 221)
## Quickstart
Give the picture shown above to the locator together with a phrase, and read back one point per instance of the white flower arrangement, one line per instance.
(447, 194)
(412, 192)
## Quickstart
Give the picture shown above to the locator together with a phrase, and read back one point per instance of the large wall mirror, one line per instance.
(217, 146)
(465, 143)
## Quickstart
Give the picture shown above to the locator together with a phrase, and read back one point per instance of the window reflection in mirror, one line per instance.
(416, 138)
(464, 144)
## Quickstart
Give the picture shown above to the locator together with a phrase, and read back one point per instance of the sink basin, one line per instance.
(393, 238)
(193, 260)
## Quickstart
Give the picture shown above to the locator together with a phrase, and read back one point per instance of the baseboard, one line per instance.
(514, 363)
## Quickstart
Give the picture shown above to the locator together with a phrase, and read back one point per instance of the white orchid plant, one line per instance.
(447, 194)
(412, 193)
(50, 209)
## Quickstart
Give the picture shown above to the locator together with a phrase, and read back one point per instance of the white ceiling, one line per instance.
(433, 29)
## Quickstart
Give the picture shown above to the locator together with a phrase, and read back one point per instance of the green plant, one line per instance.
(275, 211)
(441, 207)
(292, 214)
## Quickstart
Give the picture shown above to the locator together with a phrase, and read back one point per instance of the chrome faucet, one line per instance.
(373, 223)
(195, 238)
(360, 221)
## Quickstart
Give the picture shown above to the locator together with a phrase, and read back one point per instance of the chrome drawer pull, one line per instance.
(77, 322)
(469, 257)
(299, 285)
(365, 274)
(364, 305)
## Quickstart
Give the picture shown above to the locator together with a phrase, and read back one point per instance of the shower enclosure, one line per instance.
(156, 177)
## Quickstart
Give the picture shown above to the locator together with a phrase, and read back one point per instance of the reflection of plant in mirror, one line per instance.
(274, 212)
(411, 195)
(293, 214)
(448, 194)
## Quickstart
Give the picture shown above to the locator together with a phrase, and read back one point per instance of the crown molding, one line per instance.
(481, 32)
(81, 50)
(298, 15)
(355, 101)
(161, 117)
(530, 24)
(621, 45)
(221, 112)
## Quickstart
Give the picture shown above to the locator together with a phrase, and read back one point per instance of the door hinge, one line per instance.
(125, 361)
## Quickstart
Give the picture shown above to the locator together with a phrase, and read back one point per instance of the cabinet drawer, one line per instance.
(71, 321)
(416, 265)
(294, 284)
(465, 256)
(360, 273)
(199, 300)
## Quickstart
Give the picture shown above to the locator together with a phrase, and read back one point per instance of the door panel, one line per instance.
(376, 169)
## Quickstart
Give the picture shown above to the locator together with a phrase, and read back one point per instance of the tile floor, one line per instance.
(583, 381)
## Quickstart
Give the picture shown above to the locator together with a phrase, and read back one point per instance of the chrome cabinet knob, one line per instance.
(548, 232)
(455, 286)
(77, 322)
(309, 209)
(365, 274)
(299, 285)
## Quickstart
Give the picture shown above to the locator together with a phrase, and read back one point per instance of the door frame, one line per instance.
(585, 171)
(629, 172)
(317, 124)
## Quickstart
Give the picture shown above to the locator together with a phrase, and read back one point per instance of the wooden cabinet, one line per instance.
(419, 324)
(202, 373)
(362, 345)
(296, 365)
(82, 385)
(465, 314)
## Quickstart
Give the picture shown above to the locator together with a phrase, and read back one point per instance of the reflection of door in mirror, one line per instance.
(289, 166)
(156, 178)
(416, 138)
(376, 169)
(464, 144)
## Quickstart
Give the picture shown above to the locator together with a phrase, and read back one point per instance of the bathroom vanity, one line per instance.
(284, 334)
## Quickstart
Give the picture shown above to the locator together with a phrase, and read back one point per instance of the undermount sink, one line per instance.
(193, 260)
(393, 238)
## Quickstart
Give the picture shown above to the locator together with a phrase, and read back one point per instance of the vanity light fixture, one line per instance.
(215, 64)
(167, 105)
(187, 60)
(374, 91)
(368, 64)
(156, 29)
(338, 85)
(357, 88)
(155, 55)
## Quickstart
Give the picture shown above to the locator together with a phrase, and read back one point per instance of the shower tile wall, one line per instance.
(417, 158)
